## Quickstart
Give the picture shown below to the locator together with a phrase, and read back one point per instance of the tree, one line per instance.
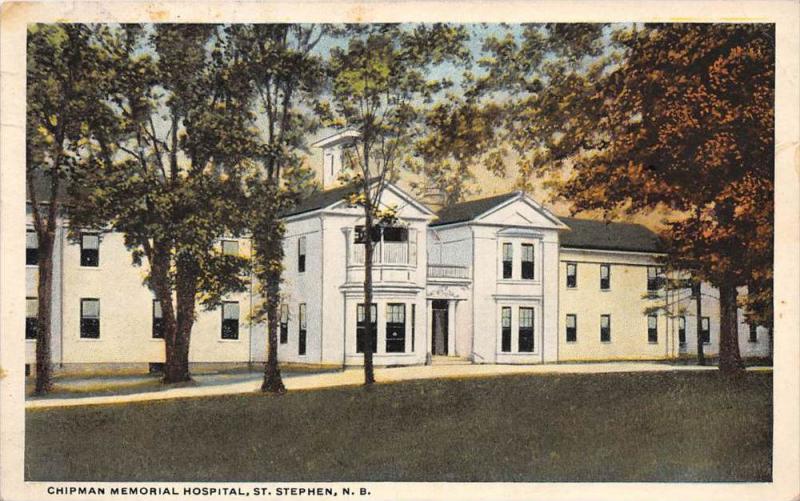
(640, 118)
(381, 82)
(166, 168)
(287, 78)
(64, 81)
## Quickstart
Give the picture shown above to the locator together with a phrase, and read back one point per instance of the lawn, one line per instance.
(602, 427)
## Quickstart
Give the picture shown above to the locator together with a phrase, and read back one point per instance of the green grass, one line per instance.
(598, 427)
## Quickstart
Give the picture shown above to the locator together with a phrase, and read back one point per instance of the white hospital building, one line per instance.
(500, 280)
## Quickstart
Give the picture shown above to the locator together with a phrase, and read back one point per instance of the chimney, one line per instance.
(433, 197)
(333, 156)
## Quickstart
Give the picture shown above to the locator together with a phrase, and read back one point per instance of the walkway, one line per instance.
(355, 376)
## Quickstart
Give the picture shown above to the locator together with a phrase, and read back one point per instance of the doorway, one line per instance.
(439, 339)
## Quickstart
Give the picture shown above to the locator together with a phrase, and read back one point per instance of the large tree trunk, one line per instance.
(369, 370)
(44, 371)
(698, 296)
(273, 383)
(729, 359)
(771, 345)
(159, 277)
(176, 368)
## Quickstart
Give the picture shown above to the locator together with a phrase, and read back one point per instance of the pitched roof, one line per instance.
(320, 200)
(591, 234)
(467, 211)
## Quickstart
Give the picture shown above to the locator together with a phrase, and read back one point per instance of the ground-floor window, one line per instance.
(361, 327)
(284, 333)
(652, 329)
(395, 328)
(230, 320)
(682, 330)
(705, 330)
(753, 333)
(525, 341)
(505, 325)
(413, 325)
(605, 328)
(157, 327)
(572, 328)
(31, 315)
(90, 318)
(301, 334)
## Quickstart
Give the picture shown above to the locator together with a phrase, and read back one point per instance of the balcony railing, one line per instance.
(383, 252)
(447, 271)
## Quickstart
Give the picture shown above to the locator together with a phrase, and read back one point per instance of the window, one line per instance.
(572, 328)
(361, 327)
(753, 333)
(682, 330)
(605, 328)
(301, 254)
(705, 330)
(605, 276)
(31, 248)
(652, 329)
(527, 261)
(31, 316)
(413, 325)
(655, 279)
(525, 340)
(90, 318)
(284, 334)
(90, 249)
(230, 247)
(508, 260)
(158, 321)
(572, 275)
(301, 333)
(395, 234)
(505, 326)
(329, 162)
(360, 235)
(395, 328)
(230, 320)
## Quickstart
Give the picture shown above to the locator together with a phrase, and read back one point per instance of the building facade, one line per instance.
(499, 280)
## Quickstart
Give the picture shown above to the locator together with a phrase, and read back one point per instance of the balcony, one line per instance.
(384, 253)
(445, 271)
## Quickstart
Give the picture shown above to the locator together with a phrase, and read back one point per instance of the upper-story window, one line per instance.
(301, 254)
(527, 261)
(572, 275)
(605, 276)
(391, 245)
(655, 278)
(230, 247)
(90, 249)
(508, 260)
(90, 318)
(31, 316)
(31, 248)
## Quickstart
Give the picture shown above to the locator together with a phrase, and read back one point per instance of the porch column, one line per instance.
(451, 327)
(428, 330)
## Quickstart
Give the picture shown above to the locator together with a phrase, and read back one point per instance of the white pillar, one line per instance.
(428, 328)
(451, 327)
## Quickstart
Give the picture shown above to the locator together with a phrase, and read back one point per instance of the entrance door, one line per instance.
(439, 309)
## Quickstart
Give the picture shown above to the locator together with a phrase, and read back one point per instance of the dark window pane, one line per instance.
(395, 234)
(605, 276)
(572, 275)
(31, 247)
(230, 328)
(527, 261)
(32, 256)
(360, 234)
(361, 328)
(508, 259)
(395, 328)
(753, 333)
(705, 330)
(301, 333)
(682, 330)
(90, 250)
(90, 328)
(526, 329)
(30, 328)
(505, 325)
(605, 328)
(652, 329)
